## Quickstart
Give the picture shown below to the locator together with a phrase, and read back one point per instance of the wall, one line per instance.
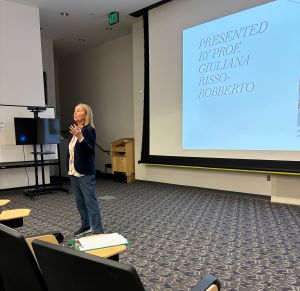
(21, 73)
(283, 189)
(101, 77)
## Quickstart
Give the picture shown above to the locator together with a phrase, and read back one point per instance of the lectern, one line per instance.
(122, 155)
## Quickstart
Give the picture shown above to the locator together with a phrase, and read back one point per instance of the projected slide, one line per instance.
(241, 80)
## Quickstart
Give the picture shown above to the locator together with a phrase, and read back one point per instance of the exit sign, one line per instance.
(113, 18)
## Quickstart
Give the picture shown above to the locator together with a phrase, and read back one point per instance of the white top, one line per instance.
(72, 170)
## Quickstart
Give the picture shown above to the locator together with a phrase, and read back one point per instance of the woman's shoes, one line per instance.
(82, 231)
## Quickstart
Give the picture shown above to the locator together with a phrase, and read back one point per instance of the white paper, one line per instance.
(101, 241)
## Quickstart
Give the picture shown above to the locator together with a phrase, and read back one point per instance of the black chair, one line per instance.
(1, 285)
(18, 267)
(67, 269)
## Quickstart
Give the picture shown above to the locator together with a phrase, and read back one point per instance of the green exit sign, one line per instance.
(113, 18)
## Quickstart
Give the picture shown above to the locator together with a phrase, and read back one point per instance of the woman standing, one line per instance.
(82, 170)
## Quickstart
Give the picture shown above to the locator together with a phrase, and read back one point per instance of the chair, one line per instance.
(67, 269)
(18, 267)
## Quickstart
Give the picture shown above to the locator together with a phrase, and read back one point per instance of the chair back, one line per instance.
(18, 267)
(67, 269)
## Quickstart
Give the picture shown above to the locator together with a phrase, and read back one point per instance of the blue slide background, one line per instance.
(263, 119)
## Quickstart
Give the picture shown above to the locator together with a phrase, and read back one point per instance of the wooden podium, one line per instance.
(122, 155)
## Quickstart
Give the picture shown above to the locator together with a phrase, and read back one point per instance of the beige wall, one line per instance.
(21, 75)
(286, 189)
(101, 77)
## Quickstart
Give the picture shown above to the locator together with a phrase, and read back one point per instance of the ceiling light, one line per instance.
(64, 13)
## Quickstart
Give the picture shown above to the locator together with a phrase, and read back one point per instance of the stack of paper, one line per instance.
(100, 241)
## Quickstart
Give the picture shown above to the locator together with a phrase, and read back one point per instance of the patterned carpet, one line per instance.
(180, 234)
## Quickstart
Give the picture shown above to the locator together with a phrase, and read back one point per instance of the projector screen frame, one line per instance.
(226, 164)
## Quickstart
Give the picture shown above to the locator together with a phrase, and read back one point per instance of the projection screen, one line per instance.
(223, 84)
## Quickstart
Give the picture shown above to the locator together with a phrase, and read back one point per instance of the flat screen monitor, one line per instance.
(37, 131)
(25, 131)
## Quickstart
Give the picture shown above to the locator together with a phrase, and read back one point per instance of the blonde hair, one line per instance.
(89, 114)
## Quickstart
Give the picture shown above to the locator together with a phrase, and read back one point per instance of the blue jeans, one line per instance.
(87, 202)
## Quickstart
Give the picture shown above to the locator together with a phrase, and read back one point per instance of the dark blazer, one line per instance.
(84, 152)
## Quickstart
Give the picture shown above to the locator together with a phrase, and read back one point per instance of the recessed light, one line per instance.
(64, 13)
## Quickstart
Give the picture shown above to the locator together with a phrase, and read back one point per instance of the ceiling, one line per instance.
(87, 23)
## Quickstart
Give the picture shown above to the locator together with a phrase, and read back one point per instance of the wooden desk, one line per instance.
(14, 218)
(109, 252)
(47, 237)
(4, 202)
(14, 213)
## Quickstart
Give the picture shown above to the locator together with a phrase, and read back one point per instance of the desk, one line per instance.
(25, 164)
(8, 167)
(14, 218)
(4, 202)
(108, 253)
(46, 237)
(14, 214)
(43, 188)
